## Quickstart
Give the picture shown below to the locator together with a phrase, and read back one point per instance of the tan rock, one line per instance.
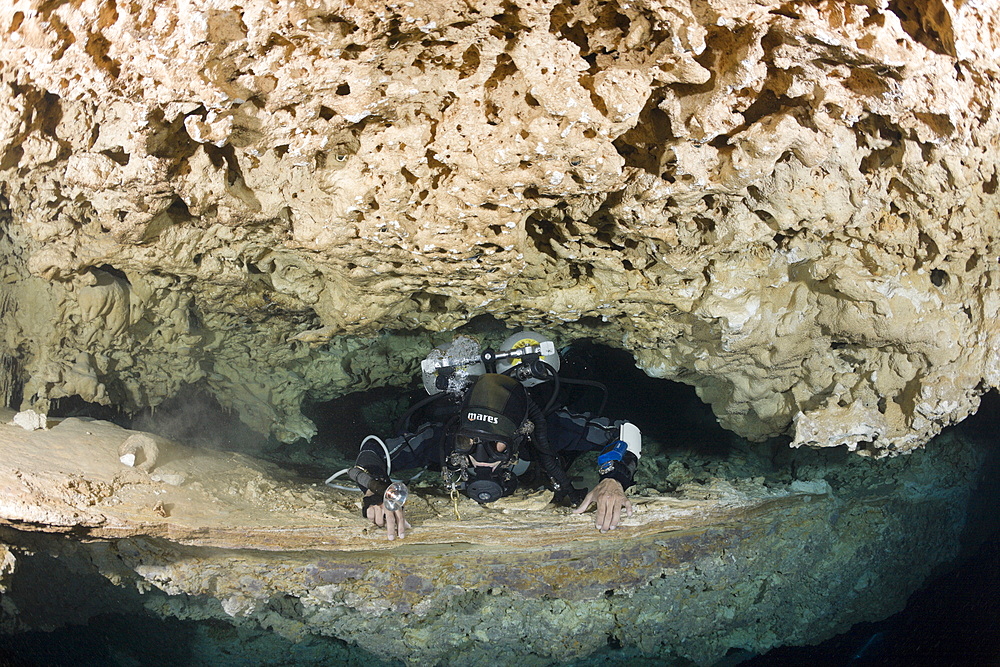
(139, 450)
(787, 206)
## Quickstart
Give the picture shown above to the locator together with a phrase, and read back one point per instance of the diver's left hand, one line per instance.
(395, 522)
(610, 499)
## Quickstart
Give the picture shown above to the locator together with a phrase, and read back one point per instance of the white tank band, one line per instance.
(632, 436)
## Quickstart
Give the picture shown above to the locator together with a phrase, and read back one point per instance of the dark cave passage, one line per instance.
(668, 413)
(665, 411)
(683, 440)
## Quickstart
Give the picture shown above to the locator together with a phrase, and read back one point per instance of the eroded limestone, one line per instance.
(790, 206)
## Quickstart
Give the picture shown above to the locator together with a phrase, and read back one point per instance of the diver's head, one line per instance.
(492, 421)
(491, 427)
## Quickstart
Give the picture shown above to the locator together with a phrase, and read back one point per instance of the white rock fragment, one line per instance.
(139, 450)
(30, 420)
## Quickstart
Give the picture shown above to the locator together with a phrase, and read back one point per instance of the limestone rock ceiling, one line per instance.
(791, 206)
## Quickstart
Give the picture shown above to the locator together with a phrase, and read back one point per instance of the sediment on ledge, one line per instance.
(758, 555)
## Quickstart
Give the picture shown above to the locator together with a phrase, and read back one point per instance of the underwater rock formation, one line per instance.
(743, 555)
(791, 206)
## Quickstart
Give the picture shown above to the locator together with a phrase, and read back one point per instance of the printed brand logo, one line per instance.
(476, 417)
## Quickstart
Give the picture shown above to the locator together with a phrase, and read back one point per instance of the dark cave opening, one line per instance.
(664, 410)
(677, 426)
(683, 441)
(682, 438)
(668, 413)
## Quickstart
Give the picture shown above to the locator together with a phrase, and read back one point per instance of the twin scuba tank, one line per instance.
(528, 357)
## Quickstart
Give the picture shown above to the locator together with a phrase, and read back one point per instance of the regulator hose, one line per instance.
(403, 423)
(548, 458)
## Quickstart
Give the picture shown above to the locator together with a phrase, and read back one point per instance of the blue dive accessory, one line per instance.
(611, 455)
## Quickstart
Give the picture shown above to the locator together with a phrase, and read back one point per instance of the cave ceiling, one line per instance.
(791, 206)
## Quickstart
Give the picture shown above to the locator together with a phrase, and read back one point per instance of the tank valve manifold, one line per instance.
(527, 356)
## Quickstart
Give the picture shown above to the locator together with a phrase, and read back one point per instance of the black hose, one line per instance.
(592, 383)
(403, 423)
(548, 458)
(556, 386)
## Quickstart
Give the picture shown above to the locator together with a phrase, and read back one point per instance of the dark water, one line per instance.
(137, 640)
(954, 620)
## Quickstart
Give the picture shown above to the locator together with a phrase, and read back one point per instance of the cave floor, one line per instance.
(68, 478)
(735, 560)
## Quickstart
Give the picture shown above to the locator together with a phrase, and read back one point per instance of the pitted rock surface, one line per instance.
(791, 206)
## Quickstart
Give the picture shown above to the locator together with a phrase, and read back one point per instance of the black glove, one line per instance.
(376, 483)
(369, 500)
(569, 496)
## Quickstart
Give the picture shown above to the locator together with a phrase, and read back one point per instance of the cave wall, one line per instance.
(791, 206)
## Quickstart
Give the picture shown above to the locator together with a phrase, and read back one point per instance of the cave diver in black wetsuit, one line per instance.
(489, 432)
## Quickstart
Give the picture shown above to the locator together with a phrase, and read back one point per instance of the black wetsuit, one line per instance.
(569, 434)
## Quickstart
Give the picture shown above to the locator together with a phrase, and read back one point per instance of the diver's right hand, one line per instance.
(395, 522)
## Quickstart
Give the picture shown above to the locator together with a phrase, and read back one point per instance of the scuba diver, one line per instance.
(491, 435)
